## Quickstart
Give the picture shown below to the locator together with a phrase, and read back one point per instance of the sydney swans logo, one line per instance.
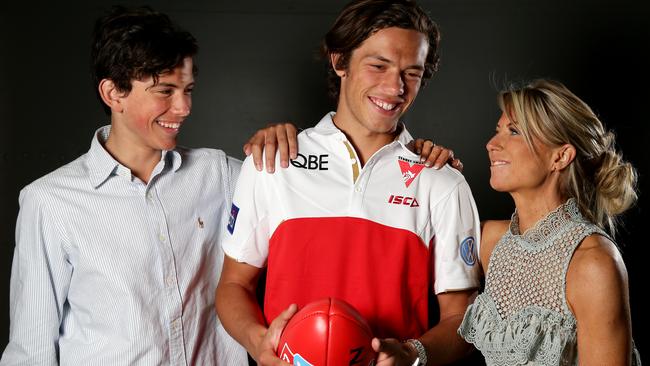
(410, 169)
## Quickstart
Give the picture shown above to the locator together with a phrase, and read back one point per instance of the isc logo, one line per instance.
(401, 200)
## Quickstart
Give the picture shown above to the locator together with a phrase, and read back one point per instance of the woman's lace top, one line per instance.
(522, 317)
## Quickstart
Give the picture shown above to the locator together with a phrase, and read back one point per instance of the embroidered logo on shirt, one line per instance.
(200, 223)
(467, 251)
(234, 210)
(410, 169)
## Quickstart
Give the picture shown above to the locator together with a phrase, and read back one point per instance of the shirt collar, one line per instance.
(326, 126)
(101, 165)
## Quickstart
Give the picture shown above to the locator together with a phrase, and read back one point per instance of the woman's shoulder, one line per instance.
(596, 269)
(596, 256)
(491, 232)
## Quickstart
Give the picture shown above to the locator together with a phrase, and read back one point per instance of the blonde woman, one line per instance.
(556, 290)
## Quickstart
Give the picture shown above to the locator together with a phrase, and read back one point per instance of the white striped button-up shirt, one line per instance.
(109, 270)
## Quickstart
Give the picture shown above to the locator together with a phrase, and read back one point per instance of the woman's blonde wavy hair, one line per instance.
(602, 184)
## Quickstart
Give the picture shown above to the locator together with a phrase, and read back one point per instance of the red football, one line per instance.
(327, 332)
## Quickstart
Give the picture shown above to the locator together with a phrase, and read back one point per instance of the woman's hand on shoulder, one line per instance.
(597, 293)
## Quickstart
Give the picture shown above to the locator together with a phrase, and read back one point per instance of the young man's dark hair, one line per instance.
(361, 19)
(135, 43)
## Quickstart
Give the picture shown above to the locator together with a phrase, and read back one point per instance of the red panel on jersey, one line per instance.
(376, 268)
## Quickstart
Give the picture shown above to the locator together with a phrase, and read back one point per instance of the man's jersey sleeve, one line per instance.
(247, 235)
(457, 236)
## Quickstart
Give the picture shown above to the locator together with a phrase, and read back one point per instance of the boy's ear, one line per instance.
(111, 95)
(334, 59)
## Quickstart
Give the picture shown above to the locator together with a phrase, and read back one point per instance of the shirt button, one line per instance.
(162, 238)
(170, 281)
(358, 189)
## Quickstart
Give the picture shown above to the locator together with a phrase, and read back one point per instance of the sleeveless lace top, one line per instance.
(522, 317)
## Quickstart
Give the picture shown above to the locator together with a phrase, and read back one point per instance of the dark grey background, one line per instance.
(257, 65)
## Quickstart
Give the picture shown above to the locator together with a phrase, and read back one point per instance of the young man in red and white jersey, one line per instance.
(356, 216)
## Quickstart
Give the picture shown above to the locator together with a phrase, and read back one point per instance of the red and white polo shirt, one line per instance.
(379, 236)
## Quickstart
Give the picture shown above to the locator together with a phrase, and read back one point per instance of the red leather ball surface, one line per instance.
(327, 332)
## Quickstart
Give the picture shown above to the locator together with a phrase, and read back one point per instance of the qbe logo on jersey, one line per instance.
(293, 358)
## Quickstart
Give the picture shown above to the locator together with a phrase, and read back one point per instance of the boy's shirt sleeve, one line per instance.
(40, 278)
(247, 232)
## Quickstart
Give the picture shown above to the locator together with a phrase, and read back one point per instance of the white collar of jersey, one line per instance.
(326, 126)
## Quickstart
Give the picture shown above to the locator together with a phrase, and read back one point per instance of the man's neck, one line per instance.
(139, 159)
(365, 143)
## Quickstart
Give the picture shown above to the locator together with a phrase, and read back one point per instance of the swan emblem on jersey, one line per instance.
(410, 169)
